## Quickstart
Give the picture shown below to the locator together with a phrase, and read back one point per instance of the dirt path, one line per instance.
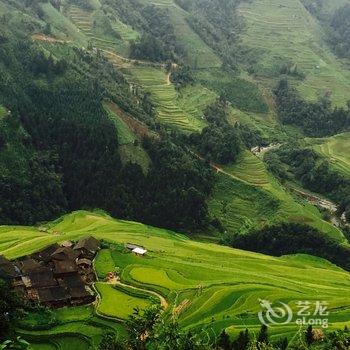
(325, 204)
(219, 170)
(138, 127)
(49, 39)
(130, 60)
(315, 200)
(168, 81)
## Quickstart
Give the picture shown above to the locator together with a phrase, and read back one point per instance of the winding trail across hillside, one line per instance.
(163, 301)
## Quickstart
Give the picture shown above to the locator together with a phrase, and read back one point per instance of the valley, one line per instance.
(160, 124)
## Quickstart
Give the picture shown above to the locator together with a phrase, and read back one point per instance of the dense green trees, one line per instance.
(304, 165)
(173, 193)
(290, 238)
(219, 142)
(157, 42)
(10, 307)
(59, 148)
(340, 33)
(314, 118)
(218, 24)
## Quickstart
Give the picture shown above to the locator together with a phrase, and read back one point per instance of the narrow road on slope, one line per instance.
(219, 170)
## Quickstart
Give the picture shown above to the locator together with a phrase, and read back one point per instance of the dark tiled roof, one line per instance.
(71, 281)
(89, 243)
(45, 254)
(9, 270)
(42, 277)
(79, 292)
(66, 266)
(64, 253)
(53, 294)
(84, 262)
(28, 265)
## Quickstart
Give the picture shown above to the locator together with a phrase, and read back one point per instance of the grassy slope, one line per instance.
(169, 109)
(60, 22)
(3, 111)
(232, 280)
(248, 201)
(286, 31)
(336, 149)
(199, 54)
(119, 303)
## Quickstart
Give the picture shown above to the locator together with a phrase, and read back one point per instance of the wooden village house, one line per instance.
(56, 276)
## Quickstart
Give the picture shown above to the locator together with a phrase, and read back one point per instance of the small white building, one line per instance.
(139, 251)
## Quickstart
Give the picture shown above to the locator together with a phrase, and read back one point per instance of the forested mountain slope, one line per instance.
(163, 64)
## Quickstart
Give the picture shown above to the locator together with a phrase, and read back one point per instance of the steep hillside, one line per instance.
(210, 287)
(337, 150)
(285, 36)
(248, 197)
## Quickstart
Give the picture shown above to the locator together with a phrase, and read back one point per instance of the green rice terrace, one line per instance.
(337, 150)
(179, 111)
(282, 32)
(208, 287)
(247, 196)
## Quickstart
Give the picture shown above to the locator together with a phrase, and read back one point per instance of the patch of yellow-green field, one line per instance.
(172, 109)
(209, 286)
(125, 134)
(130, 147)
(194, 99)
(284, 32)
(3, 111)
(260, 190)
(119, 303)
(104, 263)
(336, 149)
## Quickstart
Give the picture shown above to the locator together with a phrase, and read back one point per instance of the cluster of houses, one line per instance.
(57, 276)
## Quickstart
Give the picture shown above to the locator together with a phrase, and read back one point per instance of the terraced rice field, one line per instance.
(337, 150)
(170, 110)
(87, 22)
(58, 20)
(262, 198)
(209, 287)
(119, 302)
(195, 99)
(285, 32)
(77, 328)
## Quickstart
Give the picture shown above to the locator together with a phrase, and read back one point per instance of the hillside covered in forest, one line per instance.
(226, 121)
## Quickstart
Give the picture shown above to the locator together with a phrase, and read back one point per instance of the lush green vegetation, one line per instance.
(99, 71)
(232, 280)
(313, 172)
(278, 36)
(291, 239)
(315, 119)
(251, 197)
(241, 93)
(340, 35)
(337, 150)
(119, 302)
